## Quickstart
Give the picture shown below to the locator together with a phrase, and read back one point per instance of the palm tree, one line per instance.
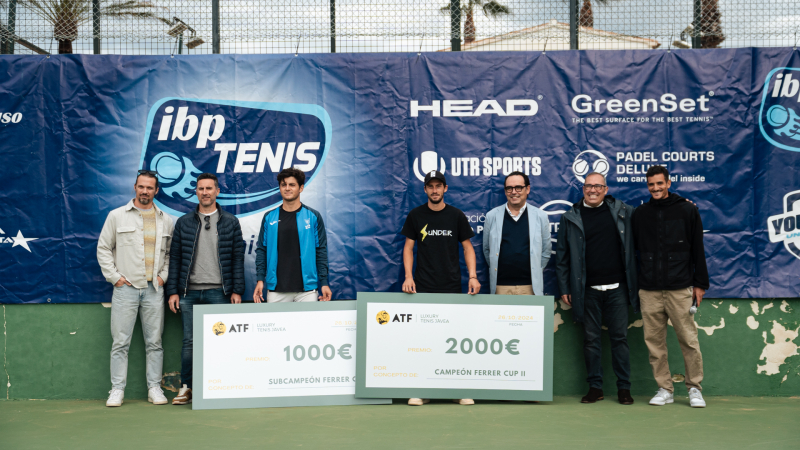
(67, 15)
(490, 9)
(586, 17)
(711, 34)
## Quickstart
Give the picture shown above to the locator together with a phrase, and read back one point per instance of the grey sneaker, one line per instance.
(662, 397)
(696, 398)
(156, 396)
(115, 397)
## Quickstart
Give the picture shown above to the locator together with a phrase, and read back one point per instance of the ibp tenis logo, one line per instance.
(786, 227)
(779, 118)
(245, 144)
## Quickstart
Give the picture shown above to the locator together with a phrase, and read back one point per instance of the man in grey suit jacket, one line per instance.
(516, 241)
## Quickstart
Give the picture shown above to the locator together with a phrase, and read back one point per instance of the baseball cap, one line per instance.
(435, 175)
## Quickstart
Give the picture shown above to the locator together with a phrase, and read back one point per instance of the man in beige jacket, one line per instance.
(133, 252)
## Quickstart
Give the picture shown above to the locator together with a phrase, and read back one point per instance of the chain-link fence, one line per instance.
(324, 26)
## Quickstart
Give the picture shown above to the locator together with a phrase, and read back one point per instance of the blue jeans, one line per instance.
(126, 303)
(610, 307)
(187, 302)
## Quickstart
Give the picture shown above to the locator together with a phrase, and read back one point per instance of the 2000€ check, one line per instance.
(279, 354)
(455, 346)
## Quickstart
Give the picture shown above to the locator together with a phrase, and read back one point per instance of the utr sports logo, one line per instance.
(244, 143)
(779, 118)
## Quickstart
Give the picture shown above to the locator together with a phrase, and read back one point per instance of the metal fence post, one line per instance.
(455, 25)
(12, 24)
(333, 26)
(697, 40)
(96, 26)
(573, 24)
(215, 26)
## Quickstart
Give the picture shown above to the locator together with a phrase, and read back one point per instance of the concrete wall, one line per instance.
(750, 348)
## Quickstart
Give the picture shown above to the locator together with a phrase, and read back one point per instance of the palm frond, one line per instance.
(494, 9)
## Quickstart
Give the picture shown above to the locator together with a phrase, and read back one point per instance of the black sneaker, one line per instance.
(624, 396)
(593, 395)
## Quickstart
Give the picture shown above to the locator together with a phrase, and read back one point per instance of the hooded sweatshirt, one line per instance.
(668, 234)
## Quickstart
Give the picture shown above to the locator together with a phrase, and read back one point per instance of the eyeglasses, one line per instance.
(589, 187)
(148, 172)
(208, 222)
(515, 188)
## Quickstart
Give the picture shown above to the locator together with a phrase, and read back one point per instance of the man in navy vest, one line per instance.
(516, 241)
(292, 249)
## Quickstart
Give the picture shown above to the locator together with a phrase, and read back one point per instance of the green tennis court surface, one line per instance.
(727, 423)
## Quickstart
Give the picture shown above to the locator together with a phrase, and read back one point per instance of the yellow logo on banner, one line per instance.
(382, 317)
(218, 328)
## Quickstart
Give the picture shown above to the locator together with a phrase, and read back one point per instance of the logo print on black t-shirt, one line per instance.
(424, 233)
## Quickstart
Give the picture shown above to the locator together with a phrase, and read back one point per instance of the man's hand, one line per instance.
(567, 299)
(409, 287)
(236, 298)
(122, 281)
(160, 281)
(326, 294)
(474, 286)
(257, 297)
(697, 294)
(175, 302)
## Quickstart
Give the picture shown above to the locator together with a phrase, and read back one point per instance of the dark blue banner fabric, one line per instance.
(366, 128)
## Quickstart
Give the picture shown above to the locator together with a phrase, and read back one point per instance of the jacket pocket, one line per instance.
(678, 267)
(647, 272)
(126, 236)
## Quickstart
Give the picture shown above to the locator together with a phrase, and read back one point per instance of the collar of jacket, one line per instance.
(671, 199)
(221, 211)
(574, 214)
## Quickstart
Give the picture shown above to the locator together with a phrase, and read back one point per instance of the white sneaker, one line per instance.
(115, 397)
(417, 401)
(696, 398)
(662, 397)
(465, 401)
(156, 396)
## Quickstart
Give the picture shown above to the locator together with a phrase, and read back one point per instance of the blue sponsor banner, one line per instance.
(366, 127)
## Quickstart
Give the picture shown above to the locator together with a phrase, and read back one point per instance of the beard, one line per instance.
(144, 200)
(436, 202)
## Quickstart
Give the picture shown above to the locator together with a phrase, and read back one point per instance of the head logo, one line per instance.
(779, 118)
(786, 227)
(244, 143)
(218, 329)
(589, 161)
(429, 162)
(383, 318)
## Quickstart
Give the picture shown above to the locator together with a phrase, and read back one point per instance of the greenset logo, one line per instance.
(218, 329)
(383, 318)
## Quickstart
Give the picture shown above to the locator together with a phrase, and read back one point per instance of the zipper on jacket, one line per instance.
(219, 260)
(194, 247)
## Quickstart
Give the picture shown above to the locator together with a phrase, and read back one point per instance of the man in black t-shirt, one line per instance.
(437, 228)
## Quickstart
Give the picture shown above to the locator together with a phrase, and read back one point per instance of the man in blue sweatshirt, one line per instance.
(292, 248)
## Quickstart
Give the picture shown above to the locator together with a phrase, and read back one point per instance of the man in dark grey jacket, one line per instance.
(207, 267)
(596, 270)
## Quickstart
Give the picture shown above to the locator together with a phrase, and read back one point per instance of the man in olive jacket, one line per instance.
(596, 271)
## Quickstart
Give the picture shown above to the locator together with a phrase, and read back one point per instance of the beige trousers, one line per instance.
(514, 290)
(657, 308)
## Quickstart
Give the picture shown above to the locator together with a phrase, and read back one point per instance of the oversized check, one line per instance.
(455, 346)
(277, 354)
